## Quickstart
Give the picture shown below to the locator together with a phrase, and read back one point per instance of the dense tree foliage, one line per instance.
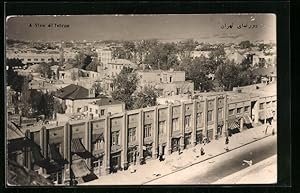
(125, 85)
(145, 98)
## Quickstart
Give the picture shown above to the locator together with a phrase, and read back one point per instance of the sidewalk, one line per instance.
(175, 162)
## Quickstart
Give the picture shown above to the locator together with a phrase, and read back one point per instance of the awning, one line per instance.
(269, 114)
(55, 154)
(265, 115)
(233, 125)
(39, 159)
(96, 137)
(78, 148)
(247, 119)
(80, 169)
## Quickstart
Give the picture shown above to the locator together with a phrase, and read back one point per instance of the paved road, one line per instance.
(222, 166)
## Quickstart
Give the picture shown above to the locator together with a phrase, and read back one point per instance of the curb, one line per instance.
(145, 183)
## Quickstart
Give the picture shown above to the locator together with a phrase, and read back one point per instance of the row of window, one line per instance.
(36, 59)
(268, 104)
(239, 110)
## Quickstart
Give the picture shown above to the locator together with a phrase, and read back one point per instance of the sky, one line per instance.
(204, 28)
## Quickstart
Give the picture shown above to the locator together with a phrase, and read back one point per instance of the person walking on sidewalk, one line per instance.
(226, 141)
(202, 151)
(266, 130)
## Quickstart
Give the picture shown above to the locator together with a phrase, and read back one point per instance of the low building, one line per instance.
(114, 67)
(105, 106)
(167, 82)
(236, 57)
(35, 58)
(76, 98)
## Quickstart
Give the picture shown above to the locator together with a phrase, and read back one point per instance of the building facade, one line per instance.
(110, 143)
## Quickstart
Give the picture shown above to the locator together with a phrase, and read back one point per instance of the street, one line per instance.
(217, 168)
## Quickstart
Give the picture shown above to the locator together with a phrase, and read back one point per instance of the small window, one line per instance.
(171, 79)
(42, 59)
(239, 110)
(102, 112)
(90, 109)
(261, 106)
(36, 59)
(209, 116)
(28, 59)
(96, 111)
(147, 130)
(246, 108)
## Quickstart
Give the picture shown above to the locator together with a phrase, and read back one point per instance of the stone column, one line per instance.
(215, 117)
(155, 133)
(169, 130)
(182, 125)
(106, 157)
(141, 135)
(225, 115)
(43, 145)
(27, 156)
(241, 124)
(67, 153)
(125, 141)
(205, 117)
(88, 141)
(194, 123)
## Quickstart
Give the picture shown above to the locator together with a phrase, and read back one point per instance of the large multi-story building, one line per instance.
(79, 149)
(35, 58)
(104, 55)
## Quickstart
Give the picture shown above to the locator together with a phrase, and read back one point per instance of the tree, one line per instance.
(14, 80)
(228, 76)
(145, 98)
(124, 86)
(186, 47)
(45, 70)
(46, 105)
(245, 44)
(92, 66)
(25, 99)
(216, 58)
(98, 88)
(11, 63)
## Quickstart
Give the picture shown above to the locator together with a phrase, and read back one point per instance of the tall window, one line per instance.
(115, 138)
(147, 130)
(187, 121)
(131, 135)
(230, 112)
(99, 144)
(161, 127)
(175, 125)
(199, 119)
(220, 113)
(209, 116)
(102, 112)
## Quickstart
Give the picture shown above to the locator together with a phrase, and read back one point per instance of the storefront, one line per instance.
(187, 140)
(115, 162)
(175, 142)
(210, 134)
(199, 136)
(132, 154)
(147, 150)
(220, 129)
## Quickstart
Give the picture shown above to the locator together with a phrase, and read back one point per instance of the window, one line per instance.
(36, 59)
(175, 125)
(268, 104)
(209, 116)
(231, 111)
(161, 127)
(187, 121)
(147, 130)
(239, 110)
(170, 78)
(96, 111)
(78, 110)
(131, 135)
(42, 59)
(95, 164)
(90, 109)
(28, 59)
(49, 59)
(85, 108)
(220, 113)
(115, 138)
(199, 119)
(91, 91)
(261, 106)
(99, 144)
(246, 108)
(102, 112)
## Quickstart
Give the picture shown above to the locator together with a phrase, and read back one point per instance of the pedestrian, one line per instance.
(202, 151)
(266, 130)
(179, 151)
(273, 131)
(227, 140)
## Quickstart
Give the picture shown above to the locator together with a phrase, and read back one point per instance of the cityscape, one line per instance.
(141, 100)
